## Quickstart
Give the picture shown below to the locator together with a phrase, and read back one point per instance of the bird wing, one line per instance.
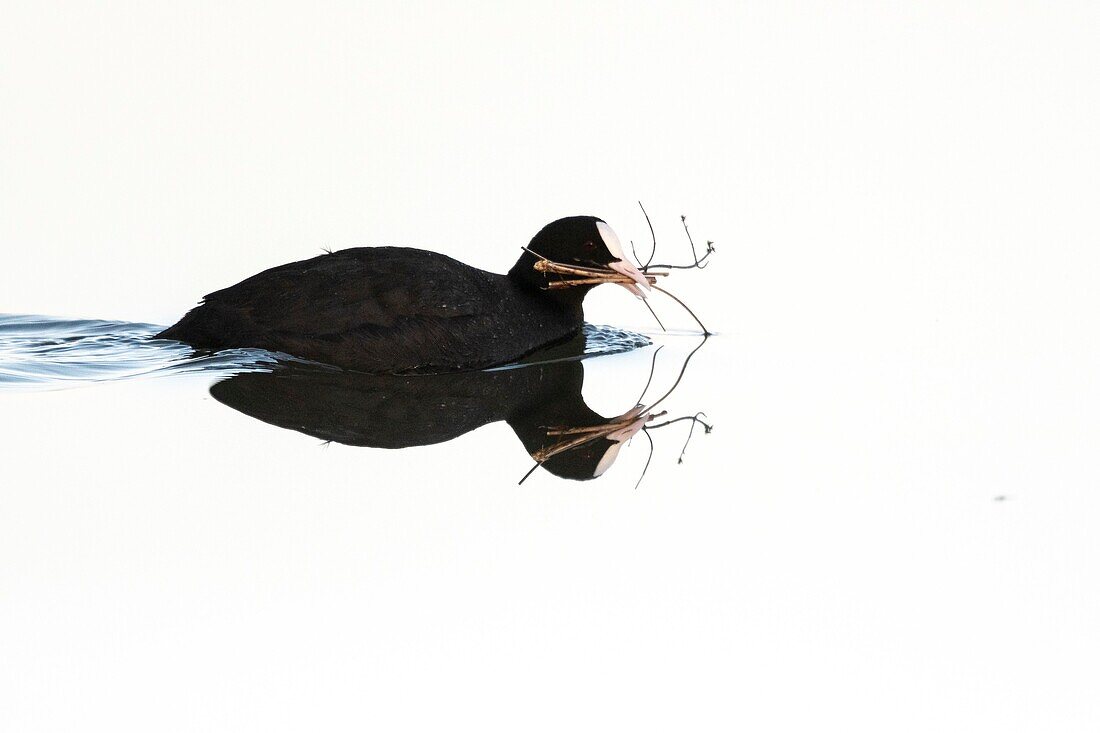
(366, 288)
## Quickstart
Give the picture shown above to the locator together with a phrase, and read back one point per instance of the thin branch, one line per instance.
(597, 276)
(585, 275)
(662, 290)
(707, 428)
(652, 369)
(694, 256)
(695, 417)
(683, 369)
(647, 460)
(617, 279)
(652, 236)
(694, 420)
(645, 302)
(528, 474)
(699, 262)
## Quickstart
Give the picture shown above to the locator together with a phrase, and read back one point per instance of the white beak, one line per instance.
(625, 267)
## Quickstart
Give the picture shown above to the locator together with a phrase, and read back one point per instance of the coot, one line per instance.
(396, 309)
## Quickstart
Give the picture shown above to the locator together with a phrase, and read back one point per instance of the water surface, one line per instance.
(540, 397)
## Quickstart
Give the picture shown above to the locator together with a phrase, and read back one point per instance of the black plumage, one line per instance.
(396, 309)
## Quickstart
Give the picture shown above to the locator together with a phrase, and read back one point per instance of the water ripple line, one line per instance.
(44, 353)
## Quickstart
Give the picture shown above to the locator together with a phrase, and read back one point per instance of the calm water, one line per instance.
(233, 542)
(540, 397)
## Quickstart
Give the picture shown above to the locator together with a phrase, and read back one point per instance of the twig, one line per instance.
(647, 460)
(617, 279)
(683, 369)
(528, 474)
(694, 420)
(652, 236)
(608, 427)
(545, 454)
(546, 265)
(598, 276)
(652, 312)
(705, 331)
(585, 275)
(652, 369)
(699, 262)
(695, 417)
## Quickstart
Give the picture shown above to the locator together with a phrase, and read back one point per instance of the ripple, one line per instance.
(38, 352)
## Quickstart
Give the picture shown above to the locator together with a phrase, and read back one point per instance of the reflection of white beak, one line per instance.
(620, 436)
(625, 267)
(624, 434)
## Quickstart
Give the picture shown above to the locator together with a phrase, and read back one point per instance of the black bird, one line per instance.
(399, 310)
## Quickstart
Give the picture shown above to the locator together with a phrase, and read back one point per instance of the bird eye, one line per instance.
(590, 245)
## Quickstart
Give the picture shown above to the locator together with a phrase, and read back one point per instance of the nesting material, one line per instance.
(579, 275)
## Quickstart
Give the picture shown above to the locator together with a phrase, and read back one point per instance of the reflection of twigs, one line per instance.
(694, 419)
(681, 375)
(605, 428)
(571, 438)
(649, 381)
(647, 460)
(545, 454)
(684, 306)
(528, 474)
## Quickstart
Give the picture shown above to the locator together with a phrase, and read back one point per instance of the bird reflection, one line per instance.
(541, 402)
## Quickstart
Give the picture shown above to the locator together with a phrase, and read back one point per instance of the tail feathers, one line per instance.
(206, 327)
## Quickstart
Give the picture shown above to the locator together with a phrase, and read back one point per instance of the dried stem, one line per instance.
(647, 460)
(598, 276)
(589, 275)
(652, 370)
(684, 306)
(653, 313)
(652, 237)
(699, 263)
(683, 369)
(608, 427)
(694, 420)
(619, 279)
(528, 474)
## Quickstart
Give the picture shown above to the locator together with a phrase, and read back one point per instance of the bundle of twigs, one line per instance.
(586, 275)
(574, 275)
(622, 426)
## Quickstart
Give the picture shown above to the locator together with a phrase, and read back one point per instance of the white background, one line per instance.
(893, 527)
